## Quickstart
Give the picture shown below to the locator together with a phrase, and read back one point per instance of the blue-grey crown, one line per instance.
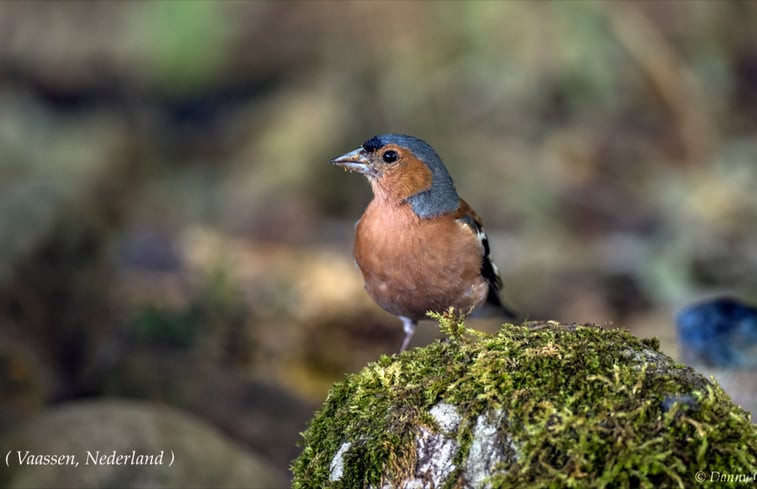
(442, 197)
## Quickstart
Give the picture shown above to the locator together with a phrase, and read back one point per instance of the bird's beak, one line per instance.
(356, 161)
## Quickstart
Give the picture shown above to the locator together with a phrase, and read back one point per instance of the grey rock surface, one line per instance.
(193, 454)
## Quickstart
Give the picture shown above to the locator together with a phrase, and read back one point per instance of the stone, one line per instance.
(106, 439)
(539, 405)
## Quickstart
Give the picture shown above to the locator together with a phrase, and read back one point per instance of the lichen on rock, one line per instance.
(539, 405)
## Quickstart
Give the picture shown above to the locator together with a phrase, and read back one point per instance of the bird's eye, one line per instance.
(390, 156)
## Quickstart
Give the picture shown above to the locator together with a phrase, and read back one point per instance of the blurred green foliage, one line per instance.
(185, 42)
(215, 305)
(156, 324)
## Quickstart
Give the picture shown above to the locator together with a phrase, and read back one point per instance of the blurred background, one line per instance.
(171, 232)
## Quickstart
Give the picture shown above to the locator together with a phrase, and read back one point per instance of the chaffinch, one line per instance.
(419, 246)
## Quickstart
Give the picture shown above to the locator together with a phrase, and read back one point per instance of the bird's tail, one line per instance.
(494, 307)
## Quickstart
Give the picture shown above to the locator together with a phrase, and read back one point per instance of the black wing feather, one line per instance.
(488, 270)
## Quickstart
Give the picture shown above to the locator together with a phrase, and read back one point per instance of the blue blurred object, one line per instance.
(719, 332)
(686, 400)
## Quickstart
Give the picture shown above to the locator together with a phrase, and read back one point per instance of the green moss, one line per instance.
(585, 406)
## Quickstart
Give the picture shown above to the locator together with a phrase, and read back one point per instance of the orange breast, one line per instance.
(412, 265)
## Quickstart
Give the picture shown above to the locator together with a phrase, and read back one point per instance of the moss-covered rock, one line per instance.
(541, 405)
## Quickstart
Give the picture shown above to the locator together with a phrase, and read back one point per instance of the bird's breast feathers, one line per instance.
(404, 257)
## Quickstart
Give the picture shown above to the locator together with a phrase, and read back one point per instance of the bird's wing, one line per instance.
(468, 216)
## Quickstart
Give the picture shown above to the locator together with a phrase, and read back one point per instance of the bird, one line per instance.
(419, 246)
(718, 332)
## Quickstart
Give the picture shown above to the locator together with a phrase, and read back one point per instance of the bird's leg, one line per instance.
(409, 326)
